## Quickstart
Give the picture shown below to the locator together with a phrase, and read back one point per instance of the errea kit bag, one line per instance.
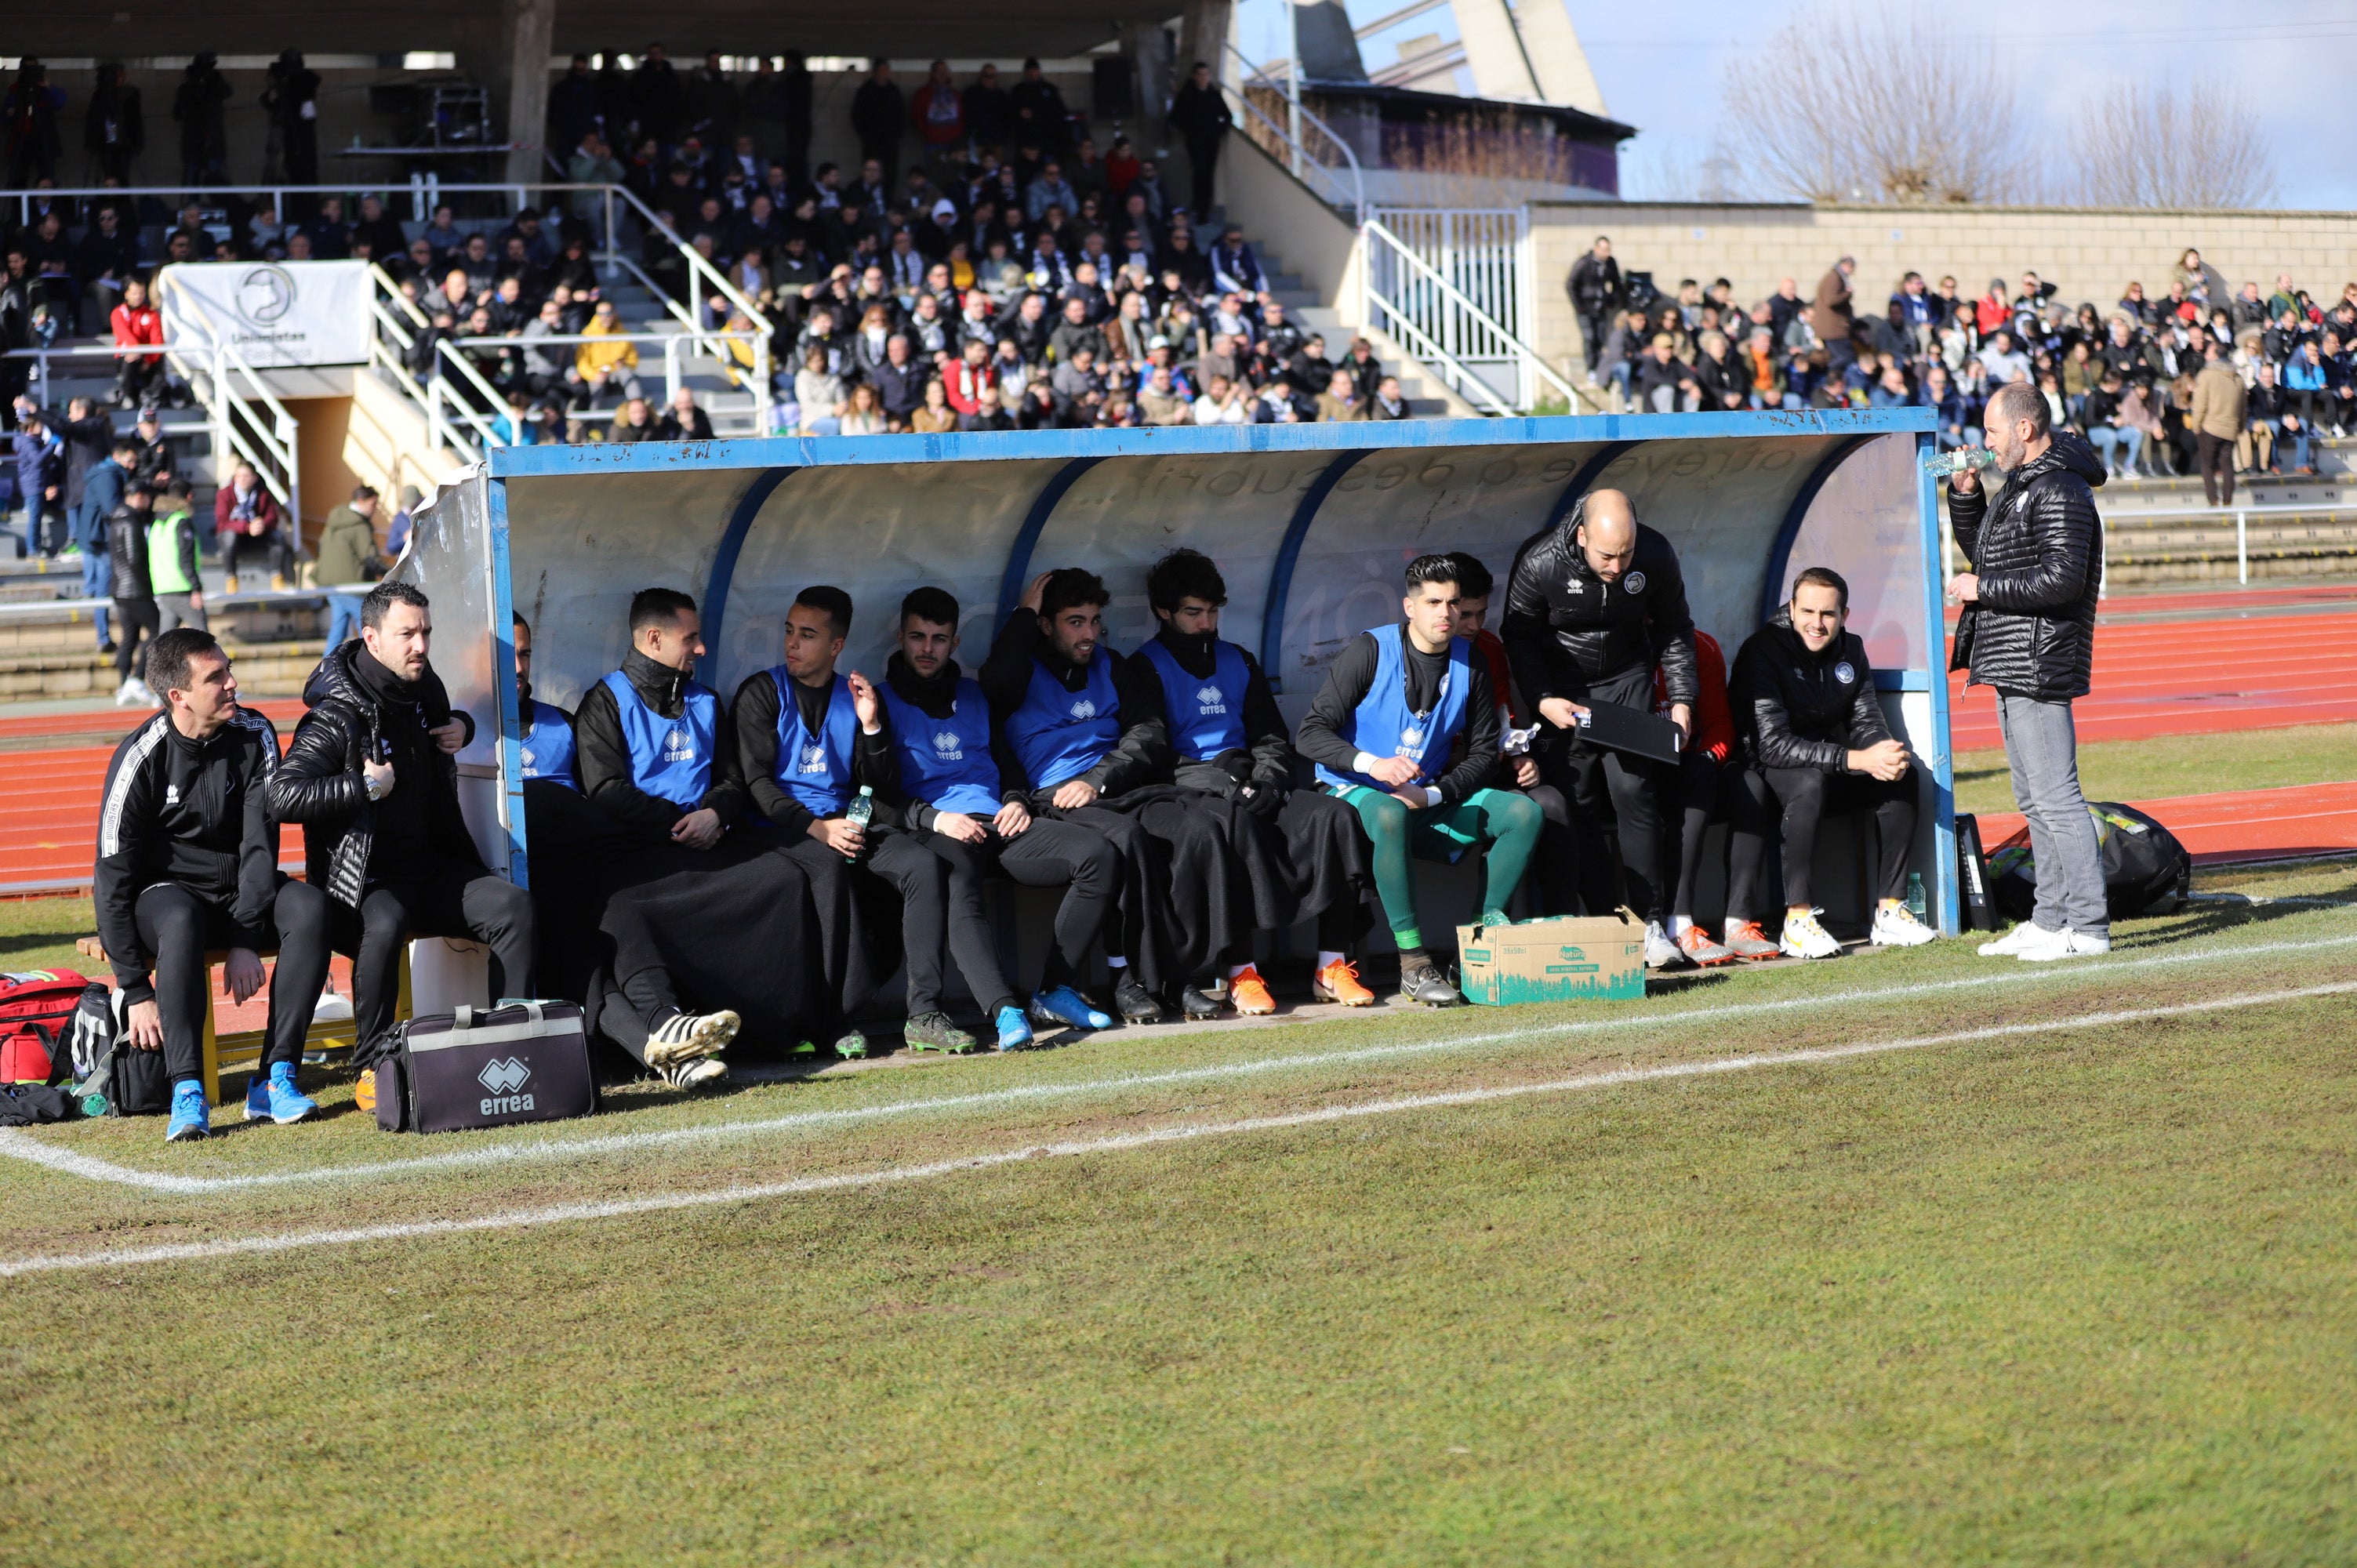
(524, 1061)
(2147, 870)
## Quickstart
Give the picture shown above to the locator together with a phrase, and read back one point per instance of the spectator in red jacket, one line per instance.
(137, 377)
(938, 111)
(1703, 775)
(966, 381)
(247, 520)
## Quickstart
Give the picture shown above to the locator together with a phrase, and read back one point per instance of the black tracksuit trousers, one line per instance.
(179, 926)
(430, 896)
(1804, 797)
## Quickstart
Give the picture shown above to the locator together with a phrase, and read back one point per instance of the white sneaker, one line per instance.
(696, 1072)
(1660, 952)
(2065, 943)
(1895, 926)
(690, 1037)
(1804, 938)
(2025, 935)
(127, 694)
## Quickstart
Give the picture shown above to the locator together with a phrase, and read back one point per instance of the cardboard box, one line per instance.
(1563, 959)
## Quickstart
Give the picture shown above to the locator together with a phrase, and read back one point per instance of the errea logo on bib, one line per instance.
(1411, 738)
(948, 746)
(1085, 709)
(813, 758)
(1207, 700)
(678, 747)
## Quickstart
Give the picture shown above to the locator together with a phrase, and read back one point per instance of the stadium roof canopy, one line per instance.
(1005, 29)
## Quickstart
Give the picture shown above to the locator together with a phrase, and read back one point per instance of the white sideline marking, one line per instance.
(566, 1213)
(20, 1144)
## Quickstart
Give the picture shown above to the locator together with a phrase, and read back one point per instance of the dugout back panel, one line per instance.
(1309, 523)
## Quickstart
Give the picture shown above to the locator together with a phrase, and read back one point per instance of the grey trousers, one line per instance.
(2042, 747)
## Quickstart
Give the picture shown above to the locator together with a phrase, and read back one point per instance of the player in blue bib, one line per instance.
(548, 731)
(1405, 731)
(1299, 851)
(809, 738)
(649, 752)
(1072, 749)
(948, 797)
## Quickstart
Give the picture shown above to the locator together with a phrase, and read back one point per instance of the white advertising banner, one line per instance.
(275, 314)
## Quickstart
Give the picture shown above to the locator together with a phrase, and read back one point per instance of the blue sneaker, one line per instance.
(192, 1118)
(1014, 1029)
(284, 1103)
(1065, 1005)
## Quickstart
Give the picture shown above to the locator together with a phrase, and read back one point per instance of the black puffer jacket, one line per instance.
(1568, 630)
(319, 784)
(1794, 708)
(2039, 557)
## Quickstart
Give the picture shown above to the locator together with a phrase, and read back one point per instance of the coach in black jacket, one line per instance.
(187, 860)
(1813, 741)
(2028, 630)
(370, 776)
(1591, 607)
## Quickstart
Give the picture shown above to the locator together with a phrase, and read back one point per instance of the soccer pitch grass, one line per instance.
(2076, 1286)
(2179, 765)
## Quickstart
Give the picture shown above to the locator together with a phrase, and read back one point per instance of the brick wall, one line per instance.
(2091, 254)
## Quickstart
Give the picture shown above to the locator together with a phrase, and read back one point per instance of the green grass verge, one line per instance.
(2179, 764)
(2082, 1297)
(40, 933)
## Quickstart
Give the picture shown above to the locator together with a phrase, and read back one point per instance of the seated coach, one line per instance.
(187, 861)
(1815, 742)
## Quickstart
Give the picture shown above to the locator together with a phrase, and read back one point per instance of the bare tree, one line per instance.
(2141, 143)
(1878, 105)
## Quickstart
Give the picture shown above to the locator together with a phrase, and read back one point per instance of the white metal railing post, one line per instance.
(763, 424)
(2242, 547)
(671, 370)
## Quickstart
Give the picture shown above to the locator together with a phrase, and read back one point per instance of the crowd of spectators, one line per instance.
(1010, 277)
(2281, 365)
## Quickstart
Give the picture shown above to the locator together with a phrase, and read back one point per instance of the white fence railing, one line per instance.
(1459, 337)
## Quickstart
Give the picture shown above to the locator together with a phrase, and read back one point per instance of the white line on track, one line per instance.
(18, 1145)
(661, 1203)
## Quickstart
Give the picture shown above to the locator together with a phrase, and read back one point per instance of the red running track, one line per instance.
(2197, 678)
(2241, 824)
(49, 818)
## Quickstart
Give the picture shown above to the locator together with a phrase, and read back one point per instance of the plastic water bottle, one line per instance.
(1938, 465)
(1917, 904)
(861, 810)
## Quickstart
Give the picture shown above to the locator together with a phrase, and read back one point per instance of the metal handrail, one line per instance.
(1410, 336)
(1300, 112)
(695, 261)
(1374, 230)
(446, 350)
(229, 404)
(385, 286)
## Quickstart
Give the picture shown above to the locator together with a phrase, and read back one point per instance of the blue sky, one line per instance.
(1659, 70)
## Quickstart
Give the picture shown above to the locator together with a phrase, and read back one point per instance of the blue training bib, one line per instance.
(815, 769)
(1060, 735)
(946, 763)
(1207, 717)
(548, 749)
(1384, 726)
(670, 758)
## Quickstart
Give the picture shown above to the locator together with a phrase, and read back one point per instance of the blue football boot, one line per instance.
(1014, 1029)
(1067, 1006)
